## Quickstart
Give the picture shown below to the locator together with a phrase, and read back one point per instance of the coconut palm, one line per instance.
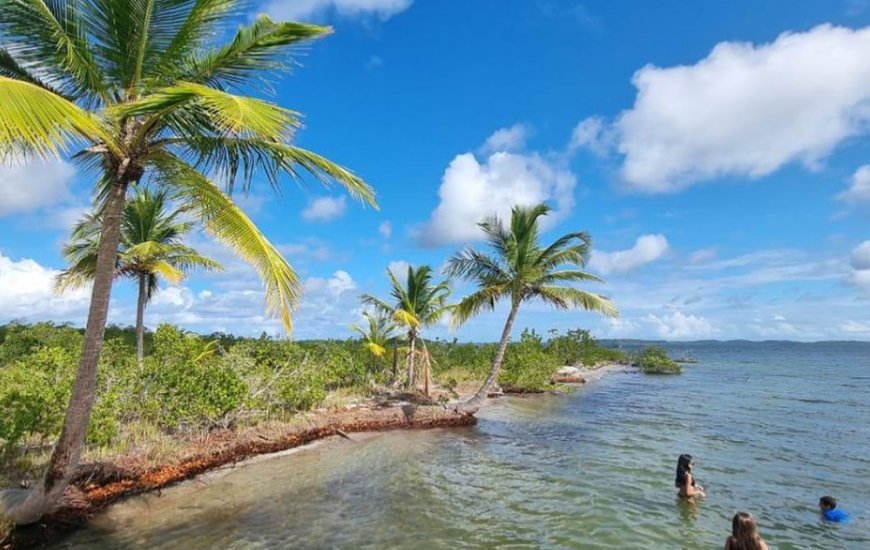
(150, 248)
(136, 90)
(522, 270)
(378, 335)
(416, 304)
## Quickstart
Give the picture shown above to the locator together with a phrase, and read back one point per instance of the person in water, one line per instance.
(685, 481)
(744, 534)
(830, 512)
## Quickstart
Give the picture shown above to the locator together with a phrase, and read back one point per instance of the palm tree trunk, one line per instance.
(473, 405)
(68, 449)
(140, 320)
(412, 344)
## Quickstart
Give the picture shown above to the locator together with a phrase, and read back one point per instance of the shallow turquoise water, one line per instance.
(772, 427)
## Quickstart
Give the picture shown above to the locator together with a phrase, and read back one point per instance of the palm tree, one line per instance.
(521, 270)
(378, 335)
(139, 92)
(150, 248)
(416, 304)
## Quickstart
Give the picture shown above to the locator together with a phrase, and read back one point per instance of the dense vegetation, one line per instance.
(189, 383)
(655, 360)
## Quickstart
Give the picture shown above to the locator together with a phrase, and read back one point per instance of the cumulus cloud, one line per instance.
(746, 109)
(506, 139)
(385, 229)
(28, 187)
(305, 9)
(472, 190)
(647, 249)
(27, 292)
(681, 326)
(859, 189)
(592, 133)
(325, 209)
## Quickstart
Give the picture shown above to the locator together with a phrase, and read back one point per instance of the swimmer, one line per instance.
(685, 481)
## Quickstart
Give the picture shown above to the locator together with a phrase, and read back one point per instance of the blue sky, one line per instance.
(713, 150)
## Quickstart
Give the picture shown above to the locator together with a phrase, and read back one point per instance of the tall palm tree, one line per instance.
(150, 248)
(416, 304)
(136, 89)
(521, 270)
(378, 335)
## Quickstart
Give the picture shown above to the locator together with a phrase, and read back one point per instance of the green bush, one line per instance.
(188, 385)
(527, 364)
(578, 347)
(655, 360)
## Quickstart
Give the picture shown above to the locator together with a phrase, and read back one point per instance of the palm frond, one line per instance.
(256, 49)
(203, 18)
(230, 157)
(51, 33)
(567, 298)
(11, 68)
(228, 113)
(34, 121)
(228, 224)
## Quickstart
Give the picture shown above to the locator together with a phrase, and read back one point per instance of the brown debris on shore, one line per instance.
(97, 485)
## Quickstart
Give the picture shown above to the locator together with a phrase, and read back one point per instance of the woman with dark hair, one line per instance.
(685, 481)
(744, 534)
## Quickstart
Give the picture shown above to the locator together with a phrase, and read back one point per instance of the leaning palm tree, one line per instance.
(416, 304)
(521, 270)
(137, 91)
(378, 335)
(150, 248)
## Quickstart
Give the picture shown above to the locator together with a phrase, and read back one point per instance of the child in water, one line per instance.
(685, 481)
(830, 512)
(744, 534)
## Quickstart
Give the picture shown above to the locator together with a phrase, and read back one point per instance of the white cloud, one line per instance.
(28, 187)
(325, 209)
(647, 249)
(27, 292)
(861, 256)
(471, 190)
(399, 268)
(506, 139)
(859, 190)
(746, 110)
(703, 256)
(860, 264)
(593, 134)
(681, 326)
(385, 229)
(306, 9)
(856, 327)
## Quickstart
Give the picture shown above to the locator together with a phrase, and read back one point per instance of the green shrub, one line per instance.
(188, 385)
(527, 364)
(33, 394)
(655, 360)
(578, 347)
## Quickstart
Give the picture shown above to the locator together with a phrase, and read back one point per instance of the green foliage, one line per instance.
(189, 386)
(578, 347)
(34, 391)
(528, 365)
(655, 360)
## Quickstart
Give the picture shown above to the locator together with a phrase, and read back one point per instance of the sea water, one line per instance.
(772, 427)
